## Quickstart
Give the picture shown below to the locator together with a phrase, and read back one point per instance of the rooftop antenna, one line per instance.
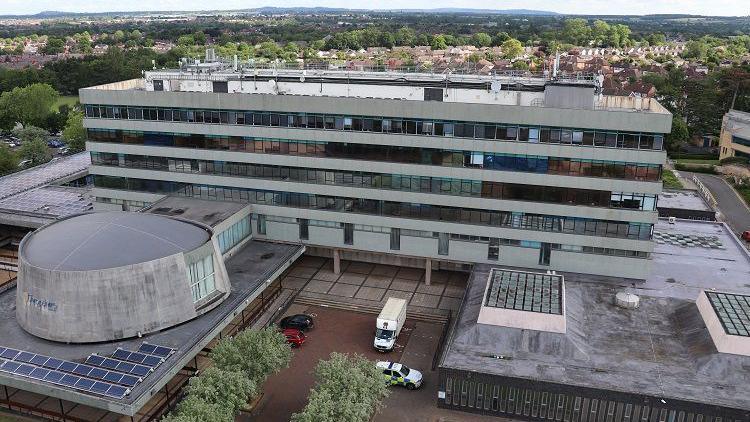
(556, 65)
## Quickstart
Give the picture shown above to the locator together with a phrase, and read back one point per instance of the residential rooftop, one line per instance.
(661, 349)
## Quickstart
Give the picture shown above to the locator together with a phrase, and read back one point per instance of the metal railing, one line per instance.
(469, 72)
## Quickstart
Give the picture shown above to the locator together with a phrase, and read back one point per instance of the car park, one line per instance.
(301, 322)
(397, 374)
(294, 337)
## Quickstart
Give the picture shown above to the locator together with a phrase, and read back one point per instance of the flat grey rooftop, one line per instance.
(682, 199)
(108, 240)
(203, 211)
(661, 349)
(249, 269)
(57, 170)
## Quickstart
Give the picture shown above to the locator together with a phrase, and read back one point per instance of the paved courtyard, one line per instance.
(365, 283)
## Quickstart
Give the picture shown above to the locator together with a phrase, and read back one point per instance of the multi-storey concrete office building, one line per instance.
(734, 140)
(419, 169)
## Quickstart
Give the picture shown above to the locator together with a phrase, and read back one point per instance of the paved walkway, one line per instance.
(361, 282)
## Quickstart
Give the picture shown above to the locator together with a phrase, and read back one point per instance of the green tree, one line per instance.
(54, 46)
(214, 395)
(678, 135)
(438, 42)
(576, 31)
(29, 105)
(512, 48)
(257, 353)
(481, 39)
(695, 49)
(600, 31)
(74, 133)
(33, 144)
(118, 36)
(348, 388)
(8, 159)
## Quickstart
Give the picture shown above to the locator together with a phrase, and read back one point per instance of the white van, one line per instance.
(389, 324)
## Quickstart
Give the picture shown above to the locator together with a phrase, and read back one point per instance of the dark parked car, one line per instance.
(300, 321)
(746, 235)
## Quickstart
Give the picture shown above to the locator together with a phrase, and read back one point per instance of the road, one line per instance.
(733, 209)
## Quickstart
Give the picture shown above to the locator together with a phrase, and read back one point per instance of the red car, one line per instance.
(746, 235)
(294, 336)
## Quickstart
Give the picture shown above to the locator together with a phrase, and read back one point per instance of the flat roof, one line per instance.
(250, 270)
(101, 240)
(661, 349)
(524, 291)
(682, 199)
(210, 213)
(56, 170)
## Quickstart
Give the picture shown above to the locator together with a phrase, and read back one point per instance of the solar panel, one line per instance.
(137, 357)
(66, 380)
(118, 365)
(153, 349)
(107, 376)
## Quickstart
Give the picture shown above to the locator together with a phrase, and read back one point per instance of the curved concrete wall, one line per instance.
(111, 304)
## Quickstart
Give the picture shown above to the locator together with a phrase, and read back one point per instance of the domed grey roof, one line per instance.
(108, 240)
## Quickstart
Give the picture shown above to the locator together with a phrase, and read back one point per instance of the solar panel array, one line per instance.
(54, 201)
(44, 174)
(733, 311)
(113, 376)
(522, 291)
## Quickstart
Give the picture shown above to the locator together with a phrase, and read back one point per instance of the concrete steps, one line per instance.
(412, 312)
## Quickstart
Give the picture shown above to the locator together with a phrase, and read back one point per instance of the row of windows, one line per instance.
(503, 132)
(235, 234)
(474, 188)
(528, 403)
(493, 243)
(201, 276)
(548, 223)
(740, 141)
(427, 156)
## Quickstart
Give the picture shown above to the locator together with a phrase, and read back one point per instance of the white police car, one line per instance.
(398, 374)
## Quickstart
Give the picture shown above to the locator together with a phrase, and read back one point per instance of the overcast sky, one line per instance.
(606, 7)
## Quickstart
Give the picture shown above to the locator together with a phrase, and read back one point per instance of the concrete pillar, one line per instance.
(336, 262)
(427, 271)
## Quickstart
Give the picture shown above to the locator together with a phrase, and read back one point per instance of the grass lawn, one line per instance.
(697, 161)
(670, 180)
(70, 100)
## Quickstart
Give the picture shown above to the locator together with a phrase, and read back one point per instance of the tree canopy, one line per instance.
(33, 144)
(74, 133)
(347, 388)
(257, 353)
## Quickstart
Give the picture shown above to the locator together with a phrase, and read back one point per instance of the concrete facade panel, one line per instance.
(549, 116)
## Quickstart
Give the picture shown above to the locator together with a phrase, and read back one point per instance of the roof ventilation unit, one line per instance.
(627, 300)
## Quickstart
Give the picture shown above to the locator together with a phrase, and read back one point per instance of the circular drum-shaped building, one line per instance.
(108, 276)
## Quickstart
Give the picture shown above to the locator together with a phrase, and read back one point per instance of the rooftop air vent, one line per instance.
(627, 300)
